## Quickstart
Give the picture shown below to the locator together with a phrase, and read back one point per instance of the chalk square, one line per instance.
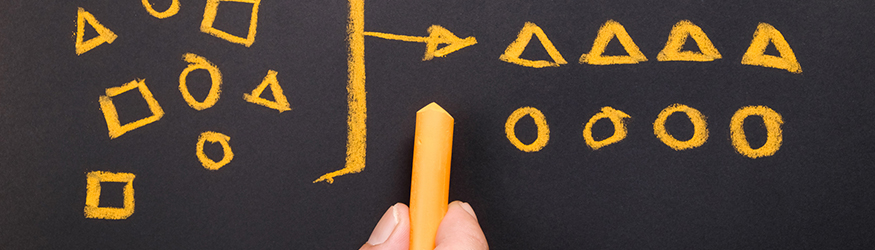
(92, 196)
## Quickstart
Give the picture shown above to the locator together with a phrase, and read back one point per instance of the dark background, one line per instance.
(816, 192)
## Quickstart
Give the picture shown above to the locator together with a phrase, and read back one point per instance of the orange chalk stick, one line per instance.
(430, 184)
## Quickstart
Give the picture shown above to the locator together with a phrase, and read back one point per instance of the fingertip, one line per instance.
(392, 231)
(459, 229)
(467, 207)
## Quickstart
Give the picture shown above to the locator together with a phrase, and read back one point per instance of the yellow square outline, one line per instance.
(111, 114)
(92, 196)
(210, 16)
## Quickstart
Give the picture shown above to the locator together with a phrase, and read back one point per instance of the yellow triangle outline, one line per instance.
(279, 103)
(515, 49)
(678, 36)
(756, 56)
(103, 34)
(439, 35)
(607, 32)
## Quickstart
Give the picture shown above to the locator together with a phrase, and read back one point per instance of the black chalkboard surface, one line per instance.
(259, 124)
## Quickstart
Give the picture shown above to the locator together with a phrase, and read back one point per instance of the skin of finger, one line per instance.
(460, 231)
(400, 237)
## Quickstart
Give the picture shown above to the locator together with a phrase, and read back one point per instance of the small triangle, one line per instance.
(438, 35)
(89, 33)
(678, 37)
(771, 50)
(534, 51)
(690, 45)
(103, 34)
(607, 32)
(279, 100)
(515, 49)
(614, 48)
(755, 54)
(267, 92)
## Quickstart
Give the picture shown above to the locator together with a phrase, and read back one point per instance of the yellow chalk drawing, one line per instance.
(608, 31)
(197, 62)
(617, 118)
(210, 17)
(110, 114)
(540, 122)
(773, 122)
(279, 100)
(515, 49)
(104, 35)
(437, 35)
(700, 127)
(214, 137)
(764, 34)
(677, 38)
(172, 10)
(357, 129)
(92, 196)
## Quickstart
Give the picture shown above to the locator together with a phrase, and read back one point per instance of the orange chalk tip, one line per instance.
(430, 183)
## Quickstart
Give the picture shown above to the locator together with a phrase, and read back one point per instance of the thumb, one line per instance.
(460, 230)
(393, 230)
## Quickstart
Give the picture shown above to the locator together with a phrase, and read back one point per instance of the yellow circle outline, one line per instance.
(700, 127)
(540, 122)
(213, 137)
(772, 121)
(172, 10)
(616, 118)
(197, 62)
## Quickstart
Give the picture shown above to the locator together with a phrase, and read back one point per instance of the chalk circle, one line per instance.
(214, 137)
(540, 122)
(771, 119)
(616, 117)
(197, 62)
(700, 127)
(172, 10)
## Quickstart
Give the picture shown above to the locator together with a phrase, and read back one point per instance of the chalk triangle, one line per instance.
(103, 34)
(607, 32)
(678, 36)
(279, 100)
(515, 49)
(439, 35)
(755, 54)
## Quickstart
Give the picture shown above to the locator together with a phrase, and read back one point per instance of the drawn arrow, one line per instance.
(437, 35)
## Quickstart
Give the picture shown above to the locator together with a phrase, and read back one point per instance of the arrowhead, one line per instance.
(439, 35)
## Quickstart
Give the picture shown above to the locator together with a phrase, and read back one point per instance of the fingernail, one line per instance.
(468, 209)
(385, 227)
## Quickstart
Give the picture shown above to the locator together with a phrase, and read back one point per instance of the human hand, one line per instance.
(459, 229)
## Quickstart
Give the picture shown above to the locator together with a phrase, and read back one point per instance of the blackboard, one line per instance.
(796, 75)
